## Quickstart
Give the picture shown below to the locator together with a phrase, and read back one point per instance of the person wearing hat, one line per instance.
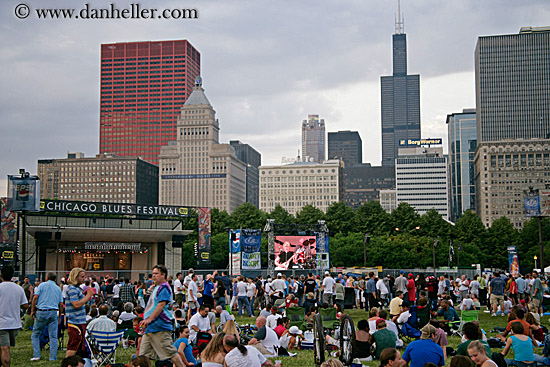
(383, 337)
(289, 340)
(425, 350)
(411, 289)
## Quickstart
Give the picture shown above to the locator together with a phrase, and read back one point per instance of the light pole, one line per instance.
(535, 257)
(436, 242)
(365, 241)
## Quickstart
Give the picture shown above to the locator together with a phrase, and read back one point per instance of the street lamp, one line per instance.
(365, 241)
(535, 258)
(436, 242)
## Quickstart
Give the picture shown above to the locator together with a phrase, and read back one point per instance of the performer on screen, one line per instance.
(304, 257)
(286, 258)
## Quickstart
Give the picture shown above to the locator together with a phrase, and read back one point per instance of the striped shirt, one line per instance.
(75, 316)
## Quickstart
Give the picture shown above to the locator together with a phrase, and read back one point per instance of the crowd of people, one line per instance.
(189, 319)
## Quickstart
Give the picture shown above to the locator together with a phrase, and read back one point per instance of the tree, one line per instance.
(470, 232)
(281, 215)
(371, 218)
(433, 225)
(247, 216)
(529, 246)
(219, 255)
(340, 218)
(309, 215)
(500, 235)
(220, 221)
(404, 217)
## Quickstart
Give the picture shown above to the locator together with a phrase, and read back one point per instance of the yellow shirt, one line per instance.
(395, 304)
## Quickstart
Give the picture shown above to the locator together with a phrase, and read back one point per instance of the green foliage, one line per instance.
(371, 218)
(220, 251)
(220, 221)
(500, 235)
(340, 218)
(529, 246)
(309, 215)
(247, 216)
(433, 225)
(404, 217)
(281, 215)
(470, 232)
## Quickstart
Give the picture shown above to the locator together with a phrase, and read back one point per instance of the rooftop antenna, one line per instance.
(400, 21)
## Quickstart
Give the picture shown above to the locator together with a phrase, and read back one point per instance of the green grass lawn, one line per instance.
(22, 353)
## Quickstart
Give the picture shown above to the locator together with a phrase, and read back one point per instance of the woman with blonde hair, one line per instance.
(476, 350)
(214, 353)
(230, 328)
(332, 363)
(76, 312)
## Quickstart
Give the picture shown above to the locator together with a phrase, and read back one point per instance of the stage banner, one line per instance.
(8, 224)
(251, 249)
(204, 215)
(544, 197)
(513, 261)
(235, 264)
(295, 252)
(323, 261)
(531, 203)
(235, 241)
(23, 193)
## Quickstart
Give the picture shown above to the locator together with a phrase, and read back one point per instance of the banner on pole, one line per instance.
(204, 235)
(513, 261)
(23, 193)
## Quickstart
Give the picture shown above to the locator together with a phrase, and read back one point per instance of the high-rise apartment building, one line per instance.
(513, 85)
(363, 182)
(143, 87)
(513, 121)
(104, 178)
(388, 200)
(400, 101)
(313, 138)
(296, 185)
(462, 147)
(421, 179)
(196, 170)
(253, 161)
(346, 146)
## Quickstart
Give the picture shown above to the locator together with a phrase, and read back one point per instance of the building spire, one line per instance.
(399, 20)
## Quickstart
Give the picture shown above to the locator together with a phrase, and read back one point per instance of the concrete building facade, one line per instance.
(388, 199)
(103, 178)
(196, 170)
(421, 179)
(296, 185)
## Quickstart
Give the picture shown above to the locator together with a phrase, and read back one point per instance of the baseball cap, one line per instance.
(379, 321)
(327, 273)
(427, 330)
(401, 272)
(279, 274)
(295, 330)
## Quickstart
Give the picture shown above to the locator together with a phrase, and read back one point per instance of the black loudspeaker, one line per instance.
(178, 240)
(43, 236)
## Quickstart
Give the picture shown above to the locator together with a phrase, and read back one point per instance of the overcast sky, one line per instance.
(266, 65)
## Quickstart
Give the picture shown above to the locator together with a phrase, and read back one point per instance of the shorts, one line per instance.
(536, 302)
(192, 305)
(497, 300)
(158, 344)
(179, 299)
(7, 337)
(76, 337)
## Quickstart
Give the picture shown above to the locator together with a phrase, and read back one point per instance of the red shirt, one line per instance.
(411, 290)
(280, 329)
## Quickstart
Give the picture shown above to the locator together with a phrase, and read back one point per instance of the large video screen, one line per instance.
(295, 252)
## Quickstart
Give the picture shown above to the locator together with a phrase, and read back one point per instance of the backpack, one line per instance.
(300, 290)
(498, 358)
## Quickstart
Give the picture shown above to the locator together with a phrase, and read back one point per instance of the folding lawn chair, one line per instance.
(103, 344)
(296, 316)
(423, 315)
(467, 316)
(329, 318)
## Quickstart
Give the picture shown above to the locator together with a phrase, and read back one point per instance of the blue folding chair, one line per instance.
(103, 344)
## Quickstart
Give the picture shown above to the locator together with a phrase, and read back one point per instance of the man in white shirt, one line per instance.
(278, 287)
(441, 286)
(12, 298)
(271, 320)
(381, 288)
(265, 339)
(404, 315)
(192, 291)
(178, 289)
(199, 322)
(328, 288)
(102, 323)
(242, 298)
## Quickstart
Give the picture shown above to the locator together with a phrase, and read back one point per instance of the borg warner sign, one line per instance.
(60, 206)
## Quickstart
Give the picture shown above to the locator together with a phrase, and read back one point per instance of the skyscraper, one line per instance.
(143, 87)
(462, 147)
(513, 121)
(400, 96)
(196, 170)
(513, 85)
(313, 138)
(347, 146)
(253, 160)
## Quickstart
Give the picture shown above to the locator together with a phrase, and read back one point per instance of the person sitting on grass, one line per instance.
(404, 316)
(461, 361)
(520, 315)
(471, 333)
(230, 328)
(383, 338)
(72, 361)
(424, 350)
(289, 340)
(523, 348)
(449, 316)
(184, 348)
(390, 357)
(476, 351)
(363, 340)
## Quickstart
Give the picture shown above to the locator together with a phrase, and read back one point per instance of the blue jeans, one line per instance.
(244, 301)
(251, 305)
(42, 320)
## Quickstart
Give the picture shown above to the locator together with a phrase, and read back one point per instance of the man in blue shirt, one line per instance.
(425, 350)
(496, 287)
(521, 286)
(449, 315)
(46, 303)
(158, 321)
(371, 291)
